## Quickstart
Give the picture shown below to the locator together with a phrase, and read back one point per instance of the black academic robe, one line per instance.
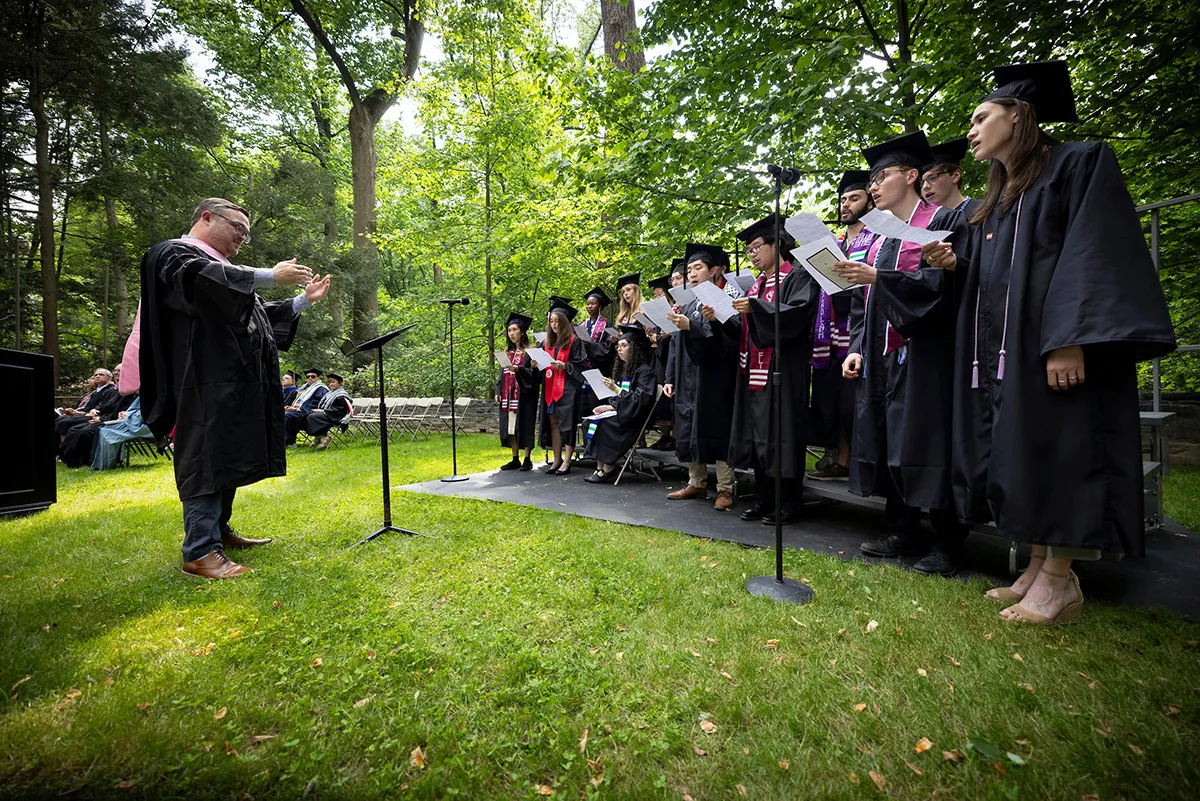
(601, 356)
(103, 400)
(660, 355)
(567, 409)
(752, 439)
(903, 406)
(332, 412)
(713, 357)
(1058, 468)
(529, 379)
(831, 406)
(210, 368)
(680, 372)
(616, 435)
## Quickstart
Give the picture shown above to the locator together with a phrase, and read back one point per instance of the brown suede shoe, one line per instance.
(232, 541)
(724, 501)
(688, 492)
(215, 566)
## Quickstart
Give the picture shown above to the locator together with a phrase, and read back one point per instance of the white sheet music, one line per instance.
(682, 295)
(818, 258)
(582, 332)
(886, 224)
(739, 283)
(644, 320)
(539, 337)
(502, 357)
(595, 380)
(721, 303)
(602, 415)
(540, 357)
(807, 227)
(657, 310)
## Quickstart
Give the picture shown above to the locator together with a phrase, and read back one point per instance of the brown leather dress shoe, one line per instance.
(724, 501)
(232, 541)
(688, 492)
(215, 566)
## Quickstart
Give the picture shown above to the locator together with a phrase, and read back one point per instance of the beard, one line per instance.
(855, 216)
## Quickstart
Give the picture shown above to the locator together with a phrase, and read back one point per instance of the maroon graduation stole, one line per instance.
(753, 360)
(510, 390)
(598, 328)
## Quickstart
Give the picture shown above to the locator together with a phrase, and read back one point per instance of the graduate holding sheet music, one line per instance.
(633, 381)
(517, 393)
(562, 379)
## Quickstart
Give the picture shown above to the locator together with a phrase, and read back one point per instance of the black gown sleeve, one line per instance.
(922, 301)
(205, 287)
(633, 406)
(576, 362)
(706, 343)
(858, 319)
(797, 304)
(284, 321)
(528, 376)
(1105, 289)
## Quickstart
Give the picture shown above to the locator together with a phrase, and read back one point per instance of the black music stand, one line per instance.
(376, 345)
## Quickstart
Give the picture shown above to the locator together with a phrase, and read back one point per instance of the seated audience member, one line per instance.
(304, 402)
(75, 449)
(335, 408)
(289, 387)
(106, 454)
(102, 400)
(633, 381)
(88, 388)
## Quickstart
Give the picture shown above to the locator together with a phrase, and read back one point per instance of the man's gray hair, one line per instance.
(214, 204)
(104, 370)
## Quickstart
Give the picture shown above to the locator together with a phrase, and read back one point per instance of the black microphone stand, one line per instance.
(377, 345)
(454, 476)
(778, 588)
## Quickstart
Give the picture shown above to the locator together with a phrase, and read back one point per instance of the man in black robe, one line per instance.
(752, 441)
(101, 402)
(701, 373)
(902, 344)
(210, 371)
(664, 412)
(941, 179)
(306, 401)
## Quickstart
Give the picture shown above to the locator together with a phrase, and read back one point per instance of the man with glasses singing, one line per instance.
(210, 370)
(941, 181)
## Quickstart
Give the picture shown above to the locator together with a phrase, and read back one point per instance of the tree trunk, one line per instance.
(620, 22)
(487, 259)
(362, 176)
(37, 106)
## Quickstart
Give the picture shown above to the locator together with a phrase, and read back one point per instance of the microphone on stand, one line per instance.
(786, 175)
(452, 301)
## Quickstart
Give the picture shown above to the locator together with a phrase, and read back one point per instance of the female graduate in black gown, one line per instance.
(1060, 302)
(517, 394)
(633, 380)
(562, 381)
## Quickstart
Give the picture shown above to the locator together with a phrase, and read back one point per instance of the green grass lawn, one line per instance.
(526, 652)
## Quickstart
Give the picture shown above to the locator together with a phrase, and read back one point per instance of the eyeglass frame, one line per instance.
(878, 178)
(750, 252)
(925, 178)
(243, 231)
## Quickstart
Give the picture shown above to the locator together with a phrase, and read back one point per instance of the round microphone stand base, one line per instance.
(455, 478)
(784, 590)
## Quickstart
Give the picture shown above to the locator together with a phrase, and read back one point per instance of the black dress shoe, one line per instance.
(789, 516)
(890, 546)
(665, 444)
(607, 478)
(939, 563)
(550, 471)
(752, 513)
(513, 465)
(526, 466)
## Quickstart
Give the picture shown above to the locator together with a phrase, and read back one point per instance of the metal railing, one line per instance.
(1154, 209)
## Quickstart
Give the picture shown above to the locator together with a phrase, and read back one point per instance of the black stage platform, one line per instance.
(1168, 577)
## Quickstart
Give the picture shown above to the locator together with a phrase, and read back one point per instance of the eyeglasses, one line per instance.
(930, 176)
(751, 251)
(242, 230)
(879, 177)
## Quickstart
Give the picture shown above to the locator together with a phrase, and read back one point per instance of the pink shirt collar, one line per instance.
(207, 248)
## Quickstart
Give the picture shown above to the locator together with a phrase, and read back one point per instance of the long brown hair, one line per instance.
(552, 335)
(1027, 161)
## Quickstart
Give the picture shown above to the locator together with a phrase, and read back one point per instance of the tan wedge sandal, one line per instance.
(1067, 615)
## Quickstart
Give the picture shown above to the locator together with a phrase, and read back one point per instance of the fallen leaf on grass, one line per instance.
(955, 662)
(316, 662)
(543, 789)
(698, 751)
(583, 741)
(985, 749)
(622, 628)
(596, 781)
(877, 778)
(144, 705)
(125, 784)
(922, 672)
(1093, 685)
(220, 713)
(707, 726)
(20, 682)
(620, 655)
(952, 756)
(230, 750)
(923, 745)
(1018, 657)
(746, 751)
(1016, 759)
(361, 702)
(771, 644)
(1136, 750)
(46, 627)
(417, 758)
(276, 604)
(872, 625)
(783, 765)
(741, 788)
(853, 779)
(262, 738)
(1172, 709)
(73, 693)
(686, 797)
(694, 653)
(1090, 797)
(913, 768)
(594, 651)
(711, 639)
(859, 707)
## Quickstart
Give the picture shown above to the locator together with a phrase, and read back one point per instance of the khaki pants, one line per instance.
(698, 476)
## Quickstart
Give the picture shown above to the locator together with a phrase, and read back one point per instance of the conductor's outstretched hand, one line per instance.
(288, 273)
(317, 288)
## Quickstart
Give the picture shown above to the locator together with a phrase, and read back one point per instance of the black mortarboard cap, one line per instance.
(629, 278)
(314, 370)
(292, 373)
(910, 150)
(519, 319)
(663, 282)
(852, 180)
(598, 293)
(635, 334)
(716, 254)
(678, 266)
(952, 152)
(1045, 85)
(558, 299)
(766, 229)
(336, 377)
(561, 304)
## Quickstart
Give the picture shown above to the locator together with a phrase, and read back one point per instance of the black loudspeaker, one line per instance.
(28, 382)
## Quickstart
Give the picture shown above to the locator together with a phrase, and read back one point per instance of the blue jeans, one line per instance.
(204, 518)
